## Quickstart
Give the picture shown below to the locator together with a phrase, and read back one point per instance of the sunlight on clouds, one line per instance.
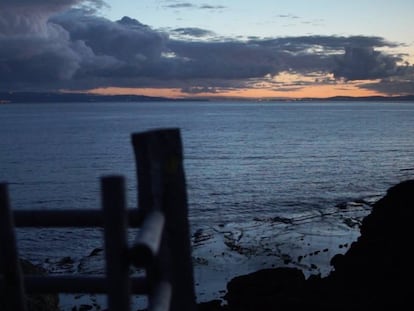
(261, 91)
(289, 78)
(294, 92)
(404, 51)
(286, 84)
(168, 55)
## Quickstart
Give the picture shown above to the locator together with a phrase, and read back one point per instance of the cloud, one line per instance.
(211, 7)
(34, 51)
(28, 17)
(401, 84)
(193, 32)
(289, 16)
(127, 40)
(363, 63)
(49, 45)
(180, 5)
(188, 5)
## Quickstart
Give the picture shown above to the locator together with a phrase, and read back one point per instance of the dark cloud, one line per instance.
(256, 58)
(200, 89)
(127, 40)
(36, 53)
(193, 32)
(63, 45)
(188, 5)
(182, 5)
(401, 84)
(327, 43)
(363, 63)
(225, 60)
(28, 17)
(211, 7)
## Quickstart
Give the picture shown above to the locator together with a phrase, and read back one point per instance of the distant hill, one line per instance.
(54, 97)
(366, 98)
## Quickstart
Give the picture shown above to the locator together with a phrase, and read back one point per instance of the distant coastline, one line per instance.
(407, 98)
(366, 98)
(56, 97)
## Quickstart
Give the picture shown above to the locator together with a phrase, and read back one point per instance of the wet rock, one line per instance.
(96, 251)
(65, 262)
(201, 236)
(93, 264)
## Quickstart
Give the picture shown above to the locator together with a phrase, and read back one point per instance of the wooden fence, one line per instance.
(162, 245)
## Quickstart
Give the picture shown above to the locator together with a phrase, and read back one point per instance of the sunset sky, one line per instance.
(209, 48)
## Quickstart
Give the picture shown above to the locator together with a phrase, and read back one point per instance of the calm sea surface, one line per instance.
(242, 159)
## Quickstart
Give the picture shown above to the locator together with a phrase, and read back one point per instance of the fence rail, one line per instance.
(69, 218)
(162, 244)
(76, 284)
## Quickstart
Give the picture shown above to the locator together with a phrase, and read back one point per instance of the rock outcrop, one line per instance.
(374, 274)
(47, 302)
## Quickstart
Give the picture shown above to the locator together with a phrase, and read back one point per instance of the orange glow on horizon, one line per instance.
(319, 91)
(285, 84)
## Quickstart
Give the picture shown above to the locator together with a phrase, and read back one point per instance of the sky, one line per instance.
(209, 48)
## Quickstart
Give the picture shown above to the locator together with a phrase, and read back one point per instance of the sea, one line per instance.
(268, 183)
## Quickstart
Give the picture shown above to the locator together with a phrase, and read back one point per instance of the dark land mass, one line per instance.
(374, 274)
(367, 98)
(56, 97)
(405, 98)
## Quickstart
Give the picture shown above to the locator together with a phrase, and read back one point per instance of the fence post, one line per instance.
(116, 243)
(13, 291)
(161, 182)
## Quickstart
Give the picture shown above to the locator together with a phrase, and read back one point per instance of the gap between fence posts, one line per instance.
(162, 185)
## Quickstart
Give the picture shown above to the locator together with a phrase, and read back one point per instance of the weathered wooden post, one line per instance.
(116, 243)
(13, 290)
(162, 186)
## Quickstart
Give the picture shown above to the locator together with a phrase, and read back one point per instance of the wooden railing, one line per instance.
(162, 245)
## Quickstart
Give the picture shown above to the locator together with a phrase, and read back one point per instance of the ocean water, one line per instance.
(249, 166)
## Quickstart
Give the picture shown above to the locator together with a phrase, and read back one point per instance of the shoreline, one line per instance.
(221, 253)
(232, 250)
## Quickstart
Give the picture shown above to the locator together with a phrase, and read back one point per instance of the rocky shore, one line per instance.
(373, 274)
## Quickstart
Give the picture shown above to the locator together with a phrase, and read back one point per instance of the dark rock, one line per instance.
(96, 251)
(85, 307)
(376, 264)
(48, 302)
(66, 261)
(213, 305)
(257, 290)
